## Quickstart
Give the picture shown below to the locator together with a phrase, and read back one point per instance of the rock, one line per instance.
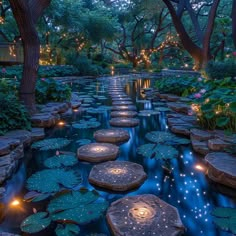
(170, 97)
(180, 122)
(143, 215)
(44, 120)
(23, 135)
(68, 113)
(37, 134)
(221, 168)
(200, 147)
(97, 152)
(75, 104)
(59, 107)
(179, 107)
(117, 175)
(121, 103)
(180, 129)
(111, 135)
(124, 108)
(124, 122)
(7, 144)
(218, 144)
(201, 135)
(124, 114)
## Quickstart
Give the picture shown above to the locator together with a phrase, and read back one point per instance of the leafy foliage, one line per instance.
(35, 223)
(61, 160)
(51, 90)
(225, 218)
(79, 207)
(13, 114)
(51, 144)
(67, 230)
(157, 151)
(87, 124)
(53, 180)
(165, 137)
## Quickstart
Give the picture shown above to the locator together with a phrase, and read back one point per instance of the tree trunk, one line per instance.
(26, 14)
(233, 15)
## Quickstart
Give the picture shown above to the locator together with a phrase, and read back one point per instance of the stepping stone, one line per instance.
(124, 122)
(221, 168)
(8, 144)
(201, 135)
(117, 175)
(124, 108)
(97, 152)
(179, 129)
(23, 135)
(124, 114)
(218, 144)
(37, 134)
(121, 103)
(111, 135)
(119, 96)
(44, 120)
(121, 99)
(179, 107)
(200, 147)
(143, 215)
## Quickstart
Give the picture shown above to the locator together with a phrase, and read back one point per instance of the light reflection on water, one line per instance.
(184, 186)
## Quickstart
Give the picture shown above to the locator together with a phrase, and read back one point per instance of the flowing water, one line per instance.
(186, 187)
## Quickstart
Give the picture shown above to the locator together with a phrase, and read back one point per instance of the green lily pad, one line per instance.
(79, 207)
(225, 218)
(60, 161)
(157, 151)
(52, 181)
(166, 138)
(163, 109)
(67, 230)
(86, 124)
(51, 144)
(35, 223)
(81, 142)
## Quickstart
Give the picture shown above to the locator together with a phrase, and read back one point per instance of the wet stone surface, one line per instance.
(117, 175)
(143, 215)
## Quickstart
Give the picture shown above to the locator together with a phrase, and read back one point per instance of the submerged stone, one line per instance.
(143, 215)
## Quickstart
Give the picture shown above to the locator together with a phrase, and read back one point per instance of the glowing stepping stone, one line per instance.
(124, 114)
(111, 135)
(124, 108)
(124, 122)
(143, 215)
(117, 175)
(121, 103)
(97, 152)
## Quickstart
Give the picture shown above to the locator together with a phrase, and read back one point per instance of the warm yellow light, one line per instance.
(61, 123)
(15, 203)
(117, 171)
(199, 167)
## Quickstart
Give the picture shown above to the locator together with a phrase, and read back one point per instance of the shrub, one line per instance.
(221, 69)
(51, 90)
(13, 114)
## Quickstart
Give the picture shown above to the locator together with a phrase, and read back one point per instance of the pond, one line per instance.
(181, 182)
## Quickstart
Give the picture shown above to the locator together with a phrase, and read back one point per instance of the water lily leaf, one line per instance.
(81, 142)
(35, 223)
(232, 107)
(86, 124)
(79, 207)
(60, 161)
(52, 181)
(166, 138)
(67, 230)
(51, 144)
(222, 121)
(157, 151)
(225, 218)
(163, 109)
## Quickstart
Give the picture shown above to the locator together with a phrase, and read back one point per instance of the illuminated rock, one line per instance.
(124, 122)
(121, 103)
(111, 135)
(221, 168)
(143, 215)
(124, 114)
(117, 175)
(124, 108)
(97, 152)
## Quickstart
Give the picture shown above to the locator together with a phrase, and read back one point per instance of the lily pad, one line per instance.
(67, 230)
(79, 207)
(60, 161)
(35, 223)
(96, 110)
(81, 142)
(86, 124)
(51, 144)
(52, 181)
(225, 218)
(166, 138)
(157, 151)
